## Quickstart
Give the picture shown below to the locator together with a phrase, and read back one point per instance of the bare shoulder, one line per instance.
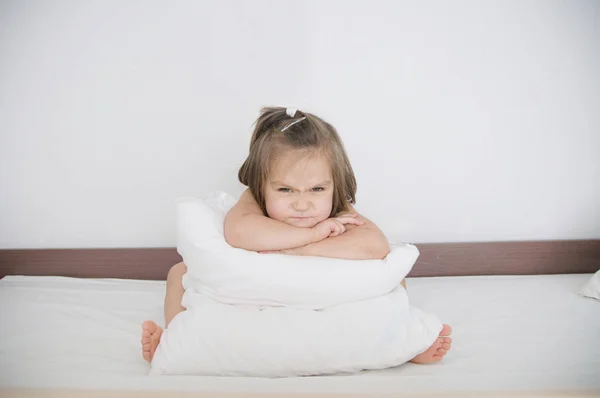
(244, 206)
(371, 234)
(367, 223)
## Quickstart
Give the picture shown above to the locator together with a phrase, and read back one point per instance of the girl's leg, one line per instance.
(174, 292)
(151, 332)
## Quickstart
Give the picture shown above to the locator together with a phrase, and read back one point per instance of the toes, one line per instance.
(446, 330)
(149, 326)
(146, 337)
(431, 350)
(150, 338)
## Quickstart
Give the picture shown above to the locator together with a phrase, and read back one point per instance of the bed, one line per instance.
(513, 334)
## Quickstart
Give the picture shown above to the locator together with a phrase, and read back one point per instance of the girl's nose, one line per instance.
(301, 205)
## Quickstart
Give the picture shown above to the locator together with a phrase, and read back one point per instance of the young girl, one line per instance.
(301, 188)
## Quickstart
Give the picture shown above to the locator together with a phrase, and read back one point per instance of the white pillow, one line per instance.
(216, 339)
(592, 287)
(236, 276)
(249, 314)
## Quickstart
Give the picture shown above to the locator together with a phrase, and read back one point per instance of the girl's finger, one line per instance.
(341, 227)
(349, 220)
(335, 228)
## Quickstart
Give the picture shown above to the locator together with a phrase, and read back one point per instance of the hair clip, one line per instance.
(292, 123)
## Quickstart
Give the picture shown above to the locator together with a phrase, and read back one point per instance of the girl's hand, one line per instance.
(334, 226)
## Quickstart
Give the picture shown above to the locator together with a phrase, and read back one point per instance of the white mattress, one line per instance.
(510, 333)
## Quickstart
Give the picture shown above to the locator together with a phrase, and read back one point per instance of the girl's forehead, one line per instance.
(296, 156)
(300, 164)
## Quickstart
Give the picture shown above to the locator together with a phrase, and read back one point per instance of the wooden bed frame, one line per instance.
(436, 259)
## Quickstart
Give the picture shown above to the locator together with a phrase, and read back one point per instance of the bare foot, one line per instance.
(151, 333)
(438, 349)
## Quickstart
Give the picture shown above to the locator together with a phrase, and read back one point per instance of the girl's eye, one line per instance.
(284, 190)
(318, 189)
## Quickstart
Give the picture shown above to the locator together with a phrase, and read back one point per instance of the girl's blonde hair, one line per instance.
(276, 130)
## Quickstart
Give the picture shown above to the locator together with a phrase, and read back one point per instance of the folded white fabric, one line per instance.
(592, 287)
(270, 315)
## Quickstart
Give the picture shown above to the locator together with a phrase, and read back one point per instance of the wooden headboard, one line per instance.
(436, 259)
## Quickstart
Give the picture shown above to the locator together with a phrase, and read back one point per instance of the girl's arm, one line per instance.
(362, 242)
(246, 227)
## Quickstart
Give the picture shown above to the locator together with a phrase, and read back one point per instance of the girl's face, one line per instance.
(299, 190)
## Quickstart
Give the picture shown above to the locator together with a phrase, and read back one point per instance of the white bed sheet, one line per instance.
(521, 333)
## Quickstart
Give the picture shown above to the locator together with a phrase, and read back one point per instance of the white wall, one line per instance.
(464, 120)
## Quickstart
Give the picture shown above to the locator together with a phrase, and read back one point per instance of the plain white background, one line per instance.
(464, 120)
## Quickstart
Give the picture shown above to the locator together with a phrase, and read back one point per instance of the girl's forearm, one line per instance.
(259, 233)
(357, 244)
